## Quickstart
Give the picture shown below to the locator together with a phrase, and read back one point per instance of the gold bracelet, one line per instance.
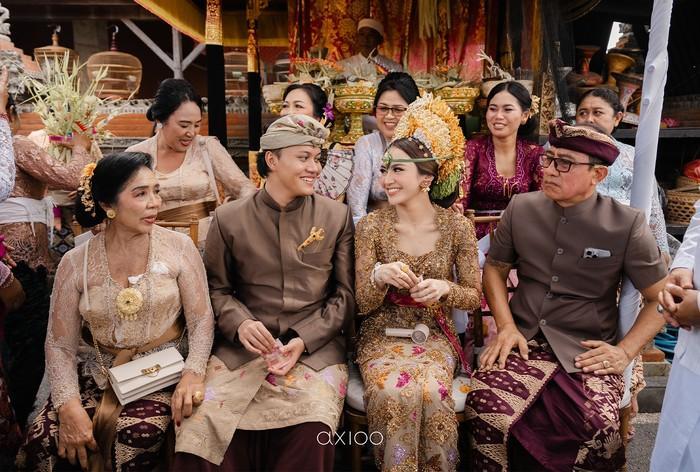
(372, 275)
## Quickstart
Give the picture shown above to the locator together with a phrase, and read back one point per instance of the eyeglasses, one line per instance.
(560, 164)
(396, 111)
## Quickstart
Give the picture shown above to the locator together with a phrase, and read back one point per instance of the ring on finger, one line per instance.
(606, 364)
(198, 397)
(404, 268)
(660, 308)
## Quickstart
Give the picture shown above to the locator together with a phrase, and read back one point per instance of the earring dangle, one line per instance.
(111, 214)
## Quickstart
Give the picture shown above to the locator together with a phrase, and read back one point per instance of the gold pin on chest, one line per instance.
(316, 234)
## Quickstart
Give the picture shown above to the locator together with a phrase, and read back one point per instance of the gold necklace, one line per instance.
(507, 188)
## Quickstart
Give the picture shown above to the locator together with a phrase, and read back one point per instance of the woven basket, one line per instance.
(684, 181)
(681, 206)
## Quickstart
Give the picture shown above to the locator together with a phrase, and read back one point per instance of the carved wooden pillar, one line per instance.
(216, 79)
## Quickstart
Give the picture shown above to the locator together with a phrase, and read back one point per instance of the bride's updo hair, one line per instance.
(108, 180)
(412, 147)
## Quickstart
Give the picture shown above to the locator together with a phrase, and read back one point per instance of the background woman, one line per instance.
(394, 93)
(190, 168)
(502, 164)
(602, 107)
(132, 287)
(26, 222)
(405, 257)
(305, 99)
(310, 100)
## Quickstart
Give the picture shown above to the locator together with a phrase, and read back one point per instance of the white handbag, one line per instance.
(147, 374)
(137, 378)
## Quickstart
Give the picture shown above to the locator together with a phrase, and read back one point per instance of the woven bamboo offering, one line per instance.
(681, 203)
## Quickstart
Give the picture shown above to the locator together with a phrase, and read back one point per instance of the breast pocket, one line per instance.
(599, 262)
(322, 260)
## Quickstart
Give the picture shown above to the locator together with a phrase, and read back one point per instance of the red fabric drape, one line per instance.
(461, 30)
(326, 23)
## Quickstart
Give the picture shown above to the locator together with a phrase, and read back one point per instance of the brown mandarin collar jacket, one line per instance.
(256, 271)
(566, 296)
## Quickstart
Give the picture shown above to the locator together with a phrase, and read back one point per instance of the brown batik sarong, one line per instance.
(564, 421)
(141, 432)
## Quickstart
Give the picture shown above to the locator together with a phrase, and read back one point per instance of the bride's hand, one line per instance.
(430, 291)
(396, 274)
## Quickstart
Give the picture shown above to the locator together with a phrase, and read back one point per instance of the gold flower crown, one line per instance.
(432, 122)
(86, 188)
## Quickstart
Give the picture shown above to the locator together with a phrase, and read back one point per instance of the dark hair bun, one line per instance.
(108, 180)
(170, 95)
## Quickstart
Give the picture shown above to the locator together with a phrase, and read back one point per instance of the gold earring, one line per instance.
(111, 214)
(425, 188)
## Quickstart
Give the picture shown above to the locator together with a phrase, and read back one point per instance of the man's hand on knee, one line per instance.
(508, 339)
(602, 358)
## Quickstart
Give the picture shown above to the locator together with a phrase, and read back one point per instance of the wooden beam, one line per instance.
(193, 55)
(97, 3)
(49, 13)
(149, 42)
(177, 54)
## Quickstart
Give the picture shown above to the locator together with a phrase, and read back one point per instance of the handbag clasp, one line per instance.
(151, 371)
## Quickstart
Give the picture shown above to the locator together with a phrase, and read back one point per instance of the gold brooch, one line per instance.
(129, 302)
(316, 234)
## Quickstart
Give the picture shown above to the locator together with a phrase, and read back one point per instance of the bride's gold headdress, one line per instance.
(431, 121)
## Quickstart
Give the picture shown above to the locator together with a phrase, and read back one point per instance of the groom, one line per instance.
(280, 269)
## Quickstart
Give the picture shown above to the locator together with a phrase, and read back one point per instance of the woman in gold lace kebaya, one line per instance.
(195, 172)
(405, 255)
(133, 287)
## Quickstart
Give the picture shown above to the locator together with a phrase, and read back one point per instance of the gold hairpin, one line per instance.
(316, 234)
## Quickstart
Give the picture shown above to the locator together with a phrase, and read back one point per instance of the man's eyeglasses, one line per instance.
(396, 111)
(560, 164)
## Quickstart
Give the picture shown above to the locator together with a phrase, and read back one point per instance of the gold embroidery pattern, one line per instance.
(408, 387)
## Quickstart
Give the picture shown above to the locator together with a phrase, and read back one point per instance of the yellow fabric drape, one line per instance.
(184, 16)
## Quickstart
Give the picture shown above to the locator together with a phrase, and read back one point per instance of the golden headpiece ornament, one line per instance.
(432, 122)
(86, 188)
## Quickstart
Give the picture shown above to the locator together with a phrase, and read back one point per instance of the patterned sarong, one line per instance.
(140, 433)
(564, 421)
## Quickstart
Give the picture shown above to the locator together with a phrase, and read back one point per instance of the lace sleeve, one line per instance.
(63, 333)
(361, 181)
(657, 222)
(196, 304)
(7, 161)
(367, 296)
(466, 293)
(535, 168)
(40, 165)
(236, 184)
